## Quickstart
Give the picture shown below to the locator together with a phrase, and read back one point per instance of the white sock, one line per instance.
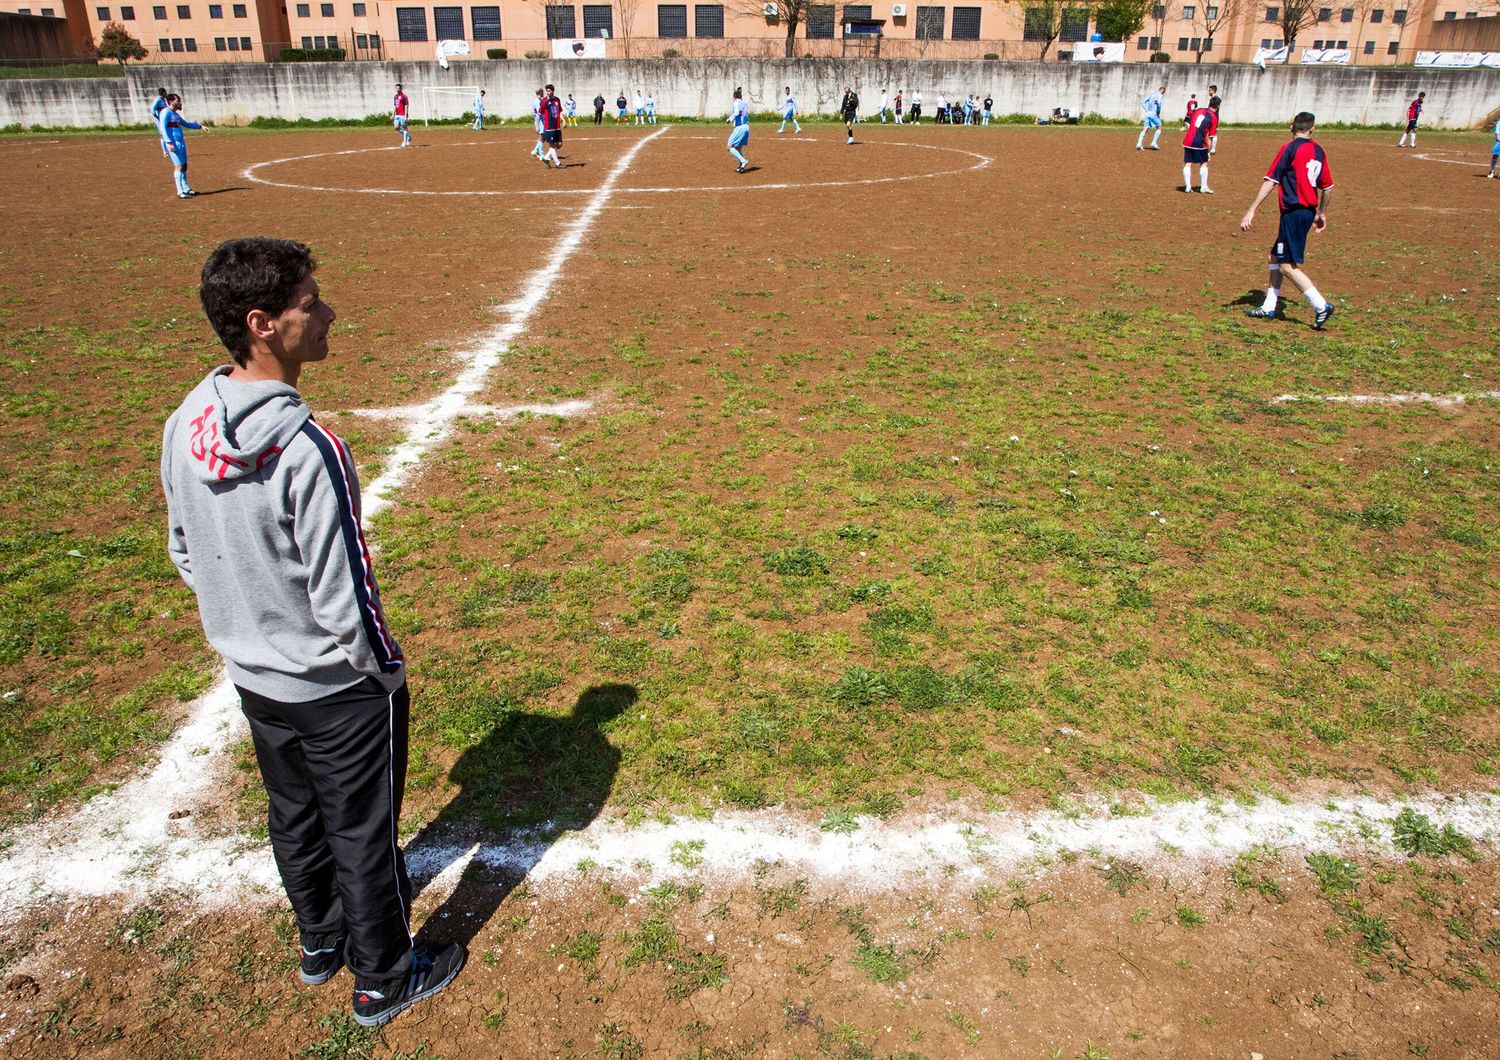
(1316, 300)
(1203, 176)
(1140, 139)
(1187, 177)
(1414, 139)
(552, 156)
(1269, 305)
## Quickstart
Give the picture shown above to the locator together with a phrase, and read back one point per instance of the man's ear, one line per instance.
(260, 324)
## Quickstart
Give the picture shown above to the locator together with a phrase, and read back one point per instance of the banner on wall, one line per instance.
(1098, 52)
(578, 48)
(1325, 57)
(1460, 60)
(1271, 55)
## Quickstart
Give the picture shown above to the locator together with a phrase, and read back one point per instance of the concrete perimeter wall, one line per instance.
(1456, 99)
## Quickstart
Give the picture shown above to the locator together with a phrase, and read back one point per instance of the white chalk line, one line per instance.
(981, 161)
(407, 413)
(947, 849)
(1450, 161)
(1441, 400)
(125, 842)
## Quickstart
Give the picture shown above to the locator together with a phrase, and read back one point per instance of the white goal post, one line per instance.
(446, 101)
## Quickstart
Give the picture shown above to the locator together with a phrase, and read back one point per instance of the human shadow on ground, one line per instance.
(560, 769)
(219, 191)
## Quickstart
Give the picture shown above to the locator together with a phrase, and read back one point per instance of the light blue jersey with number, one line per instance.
(739, 114)
(789, 108)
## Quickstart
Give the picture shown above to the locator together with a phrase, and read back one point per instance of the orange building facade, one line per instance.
(197, 31)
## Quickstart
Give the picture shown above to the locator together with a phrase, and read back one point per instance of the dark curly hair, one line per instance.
(256, 272)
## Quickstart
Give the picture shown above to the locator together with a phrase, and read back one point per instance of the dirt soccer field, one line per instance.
(888, 603)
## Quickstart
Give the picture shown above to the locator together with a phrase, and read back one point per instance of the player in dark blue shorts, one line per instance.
(1303, 184)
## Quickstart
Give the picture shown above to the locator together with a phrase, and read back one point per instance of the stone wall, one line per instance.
(1456, 99)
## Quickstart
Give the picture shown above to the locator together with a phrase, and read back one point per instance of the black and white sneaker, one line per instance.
(1323, 316)
(431, 970)
(321, 964)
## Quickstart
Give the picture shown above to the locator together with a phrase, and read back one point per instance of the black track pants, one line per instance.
(334, 769)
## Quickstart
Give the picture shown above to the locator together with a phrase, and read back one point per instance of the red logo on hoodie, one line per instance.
(205, 445)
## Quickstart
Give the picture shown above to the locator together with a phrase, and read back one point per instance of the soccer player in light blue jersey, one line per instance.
(1494, 151)
(650, 109)
(1151, 119)
(739, 136)
(789, 112)
(174, 143)
(479, 111)
(539, 149)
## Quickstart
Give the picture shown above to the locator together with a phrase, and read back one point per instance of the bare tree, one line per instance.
(1419, 12)
(790, 13)
(625, 29)
(1296, 16)
(1210, 18)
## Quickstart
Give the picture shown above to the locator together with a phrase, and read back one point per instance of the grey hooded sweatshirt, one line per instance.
(263, 524)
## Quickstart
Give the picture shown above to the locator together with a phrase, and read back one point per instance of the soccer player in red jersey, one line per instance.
(1413, 113)
(1303, 184)
(1202, 140)
(551, 119)
(399, 106)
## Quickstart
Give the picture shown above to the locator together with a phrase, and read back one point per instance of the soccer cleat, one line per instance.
(559, 165)
(1153, 147)
(850, 140)
(431, 970)
(320, 965)
(1323, 316)
(182, 195)
(741, 168)
(1490, 175)
(1206, 191)
(1260, 312)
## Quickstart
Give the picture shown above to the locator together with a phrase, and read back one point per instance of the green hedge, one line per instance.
(312, 55)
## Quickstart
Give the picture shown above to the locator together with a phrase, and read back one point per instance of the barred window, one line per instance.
(930, 22)
(966, 23)
(486, 22)
(448, 23)
(1075, 24)
(562, 22)
(597, 17)
(1038, 25)
(820, 22)
(708, 20)
(671, 20)
(411, 23)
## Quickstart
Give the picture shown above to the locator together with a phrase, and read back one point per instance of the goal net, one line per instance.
(447, 102)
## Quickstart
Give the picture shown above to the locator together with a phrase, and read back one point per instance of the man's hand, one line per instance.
(1320, 221)
(1248, 220)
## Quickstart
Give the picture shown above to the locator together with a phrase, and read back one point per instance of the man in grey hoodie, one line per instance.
(264, 526)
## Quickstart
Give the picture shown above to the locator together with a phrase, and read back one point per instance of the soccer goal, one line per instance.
(447, 102)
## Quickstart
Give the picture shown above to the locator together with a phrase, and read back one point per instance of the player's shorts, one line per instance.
(178, 154)
(552, 136)
(622, 112)
(848, 116)
(1291, 237)
(740, 136)
(1411, 126)
(1495, 149)
(1195, 154)
(399, 120)
(1152, 121)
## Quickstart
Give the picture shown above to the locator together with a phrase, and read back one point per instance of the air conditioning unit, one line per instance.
(772, 11)
(898, 10)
